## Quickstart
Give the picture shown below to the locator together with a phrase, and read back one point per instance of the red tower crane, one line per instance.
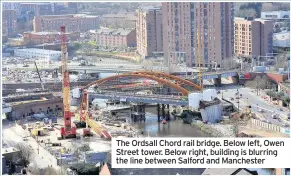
(68, 131)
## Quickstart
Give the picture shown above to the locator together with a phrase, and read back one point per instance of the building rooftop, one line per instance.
(129, 16)
(46, 33)
(38, 50)
(67, 16)
(35, 3)
(281, 35)
(204, 104)
(251, 19)
(149, 8)
(281, 11)
(119, 31)
(9, 150)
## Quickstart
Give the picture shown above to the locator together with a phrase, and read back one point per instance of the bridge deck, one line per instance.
(140, 98)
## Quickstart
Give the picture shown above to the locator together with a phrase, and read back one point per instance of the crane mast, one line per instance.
(199, 60)
(67, 131)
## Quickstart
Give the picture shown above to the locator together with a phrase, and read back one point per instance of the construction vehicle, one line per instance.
(67, 131)
(84, 115)
(41, 83)
(86, 120)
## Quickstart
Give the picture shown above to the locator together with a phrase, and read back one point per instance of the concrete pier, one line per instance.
(137, 111)
(163, 111)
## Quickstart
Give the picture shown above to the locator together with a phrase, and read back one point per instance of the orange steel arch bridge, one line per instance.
(181, 85)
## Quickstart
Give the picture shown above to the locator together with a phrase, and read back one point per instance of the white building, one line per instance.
(5, 71)
(281, 39)
(275, 15)
(38, 54)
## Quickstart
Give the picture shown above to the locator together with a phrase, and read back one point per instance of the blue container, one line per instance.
(4, 169)
(54, 119)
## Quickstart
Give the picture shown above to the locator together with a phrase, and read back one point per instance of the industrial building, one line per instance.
(120, 20)
(275, 15)
(47, 37)
(74, 23)
(281, 39)
(41, 54)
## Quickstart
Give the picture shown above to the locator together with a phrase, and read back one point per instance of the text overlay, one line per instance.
(200, 153)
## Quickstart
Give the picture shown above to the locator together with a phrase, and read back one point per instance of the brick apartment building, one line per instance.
(181, 21)
(73, 23)
(47, 37)
(120, 20)
(9, 22)
(116, 37)
(253, 37)
(149, 31)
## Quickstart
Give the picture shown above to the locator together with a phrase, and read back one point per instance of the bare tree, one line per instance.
(281, 61)
(44, 171)
(26, 153)
(259, 82)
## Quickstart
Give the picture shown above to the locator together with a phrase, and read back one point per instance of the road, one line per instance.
(43, 159)
(249, 98)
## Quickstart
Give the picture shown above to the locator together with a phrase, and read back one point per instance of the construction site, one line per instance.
(65, 127)
(60, 132)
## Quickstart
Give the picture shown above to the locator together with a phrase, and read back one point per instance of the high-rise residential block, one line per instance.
(253, 37)
(11, 6)
(9, 22)
(183, 21)
(37, 8)
(149, 31)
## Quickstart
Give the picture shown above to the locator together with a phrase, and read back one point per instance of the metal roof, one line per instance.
(119, 31)
(38, 50)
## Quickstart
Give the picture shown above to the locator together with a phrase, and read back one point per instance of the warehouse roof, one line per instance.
(38, 51)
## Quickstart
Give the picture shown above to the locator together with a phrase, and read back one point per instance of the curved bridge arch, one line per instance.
(140, 75)
(173, 77)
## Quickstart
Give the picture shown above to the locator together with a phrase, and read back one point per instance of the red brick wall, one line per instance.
(277, 77)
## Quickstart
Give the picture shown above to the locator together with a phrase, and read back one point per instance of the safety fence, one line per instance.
(269, 126)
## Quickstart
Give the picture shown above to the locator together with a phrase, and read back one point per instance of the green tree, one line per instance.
(253, 5)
